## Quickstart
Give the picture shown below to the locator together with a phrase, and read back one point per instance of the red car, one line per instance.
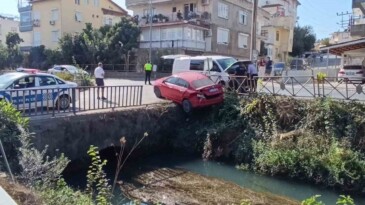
(189, 89)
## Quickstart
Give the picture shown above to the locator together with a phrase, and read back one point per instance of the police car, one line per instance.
(33, 90)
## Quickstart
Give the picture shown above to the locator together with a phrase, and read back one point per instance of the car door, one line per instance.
(168, 86)
(48, 91)
(180, 89)
(23, 95)
(214, 73)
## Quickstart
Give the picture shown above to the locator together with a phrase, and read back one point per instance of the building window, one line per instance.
(78, 16)
(37, 41)
(108, 21)
(277, 36)
(55, 36)
(54, 15)
(222, 36)
(223, 10)
(242, 18)
(77, 2)
(96, 3)
(242, 40)
(173, 9)
(86, 2)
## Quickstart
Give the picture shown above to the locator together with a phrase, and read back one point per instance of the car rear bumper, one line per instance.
(199, 102)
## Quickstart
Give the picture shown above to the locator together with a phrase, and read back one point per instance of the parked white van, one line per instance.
(214, 66)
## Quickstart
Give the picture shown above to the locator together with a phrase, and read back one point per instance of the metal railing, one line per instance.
(111, 67)
(296, 86)
(35, 102)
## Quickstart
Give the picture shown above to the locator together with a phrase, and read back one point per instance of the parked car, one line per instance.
(66, 68)
(278, 68)
(298, 64)
(214, 66)
(189, 89)
(352, 73)
(166, 63)
(19, 89)
(232, 68)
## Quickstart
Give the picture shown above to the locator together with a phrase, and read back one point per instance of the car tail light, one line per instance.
(341, 72)
(200, 95)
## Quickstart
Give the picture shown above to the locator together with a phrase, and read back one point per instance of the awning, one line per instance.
(340, 48)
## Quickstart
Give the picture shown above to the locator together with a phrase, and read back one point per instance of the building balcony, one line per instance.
(358, 4)
(175, 44)
(358, 30)
(25, 26)
(131, 3)
(286, 22)
(195, 18)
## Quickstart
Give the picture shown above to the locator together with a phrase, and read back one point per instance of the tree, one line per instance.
(325, 41)
(303, 41)
(13, 40)
(15, 57)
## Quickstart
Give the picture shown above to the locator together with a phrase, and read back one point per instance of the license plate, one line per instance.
(350, 73)
(213, 90)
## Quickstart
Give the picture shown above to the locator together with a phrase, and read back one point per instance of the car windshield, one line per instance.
(352, 67)
(226, 62)
(202, 83)
(6, 79)
(71, 68)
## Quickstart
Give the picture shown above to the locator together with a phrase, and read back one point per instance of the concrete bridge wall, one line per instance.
(73, 135)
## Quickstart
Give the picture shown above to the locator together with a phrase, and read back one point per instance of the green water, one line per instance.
(280, 186)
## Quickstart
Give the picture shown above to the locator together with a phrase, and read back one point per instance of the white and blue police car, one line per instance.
(33, 90)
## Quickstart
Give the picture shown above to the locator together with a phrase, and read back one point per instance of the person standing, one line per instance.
(99, 79)
(252, 75)
(148, 71)
(268, 66)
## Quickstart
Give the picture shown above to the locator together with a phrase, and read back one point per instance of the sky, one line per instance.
(320, 14)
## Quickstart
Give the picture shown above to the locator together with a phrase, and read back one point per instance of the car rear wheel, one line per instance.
(63, 102)
(157, 92)
(186, 105)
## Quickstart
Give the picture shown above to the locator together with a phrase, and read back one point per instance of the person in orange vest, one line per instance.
(148, 71)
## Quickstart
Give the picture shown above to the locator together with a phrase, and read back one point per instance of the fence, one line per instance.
(111, 67)
(34, 102)
(298, 86)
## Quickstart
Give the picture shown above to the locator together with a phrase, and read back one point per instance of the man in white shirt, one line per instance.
(252, 74)
(99, 79)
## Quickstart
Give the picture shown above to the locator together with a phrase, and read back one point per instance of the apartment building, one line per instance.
(195, 27)
(10, 24)
(279, 30)
(46, 21)
(357, 28)
(340, 37)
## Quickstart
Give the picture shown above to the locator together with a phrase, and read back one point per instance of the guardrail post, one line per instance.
(73, 93)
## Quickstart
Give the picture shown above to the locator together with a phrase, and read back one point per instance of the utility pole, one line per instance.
(150, 19)
(253, 31)
(344, 23)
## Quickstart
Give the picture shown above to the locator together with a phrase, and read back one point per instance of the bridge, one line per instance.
(73, 132)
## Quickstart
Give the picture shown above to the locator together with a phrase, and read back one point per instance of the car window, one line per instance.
(226, 62)
(215, 68)
(172, 80)
(57, 68)
(352, 67)
(182, 83)
(197, 65)
(46, 81)
(202, 83)
(26, 82)
(60, 81)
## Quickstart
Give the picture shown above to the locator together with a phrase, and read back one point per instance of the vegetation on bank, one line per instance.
(320, 140)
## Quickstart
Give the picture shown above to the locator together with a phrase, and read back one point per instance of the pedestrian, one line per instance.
(99, 79)
(148, 71)
(252, 74)
(268, 66)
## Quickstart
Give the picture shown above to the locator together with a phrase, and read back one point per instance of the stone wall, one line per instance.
(73, 135)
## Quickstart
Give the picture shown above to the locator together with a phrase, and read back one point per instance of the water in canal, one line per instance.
(280, 186)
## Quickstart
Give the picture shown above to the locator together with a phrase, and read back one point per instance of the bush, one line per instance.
(66, 76)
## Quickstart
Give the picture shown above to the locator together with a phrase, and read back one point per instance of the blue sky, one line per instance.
(320, 14)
